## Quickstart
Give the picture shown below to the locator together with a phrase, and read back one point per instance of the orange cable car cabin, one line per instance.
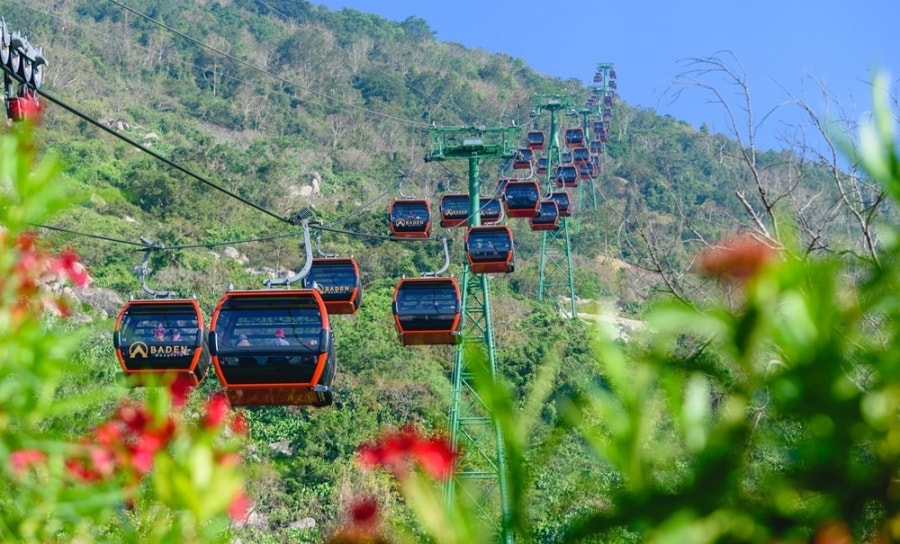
(547, 217)
(410, 218)
(454, 210)
(563, 204)
(161, 338)
(273, 347)
(535, 140)
(489, 249)
(542, 164)
(427, 311)
(337, 280)
(521, 198)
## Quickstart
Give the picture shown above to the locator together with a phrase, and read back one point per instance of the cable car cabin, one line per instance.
(523, 159)
(410, 218)
(427, 311)
(337, 280)
(489, 250)
(596, 147)
(273, 347)
(566, 176)
(547, 217)
(542, 165)
(581, 155)
(598, 77)
(566, 157)
(574, 137)
(563, 204)
(535, 140)
(586, 171)
(608, 99)
(161, 339)
(491, 210)
(607, 113)
(454, 210)
(521, 198)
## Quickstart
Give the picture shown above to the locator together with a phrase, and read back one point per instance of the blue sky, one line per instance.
(786, 47)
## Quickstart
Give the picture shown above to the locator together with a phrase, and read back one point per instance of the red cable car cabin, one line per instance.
(427, 311)
(489, 250)
(273, 347)
(566, 176)
(547, 217)
(337, 280)
(542, 165)
(563, 204)
(596, 147)
(574, 137)
(410, 218)
(521, 198)
(523, 159)
(535, 140)
(161, 339)
(454, 210)
(586, 171)
(581, 155)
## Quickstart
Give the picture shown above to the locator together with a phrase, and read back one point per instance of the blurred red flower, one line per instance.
(737, 259)
(398, 451)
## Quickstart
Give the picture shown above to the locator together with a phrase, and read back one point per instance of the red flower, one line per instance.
(67, 265)
(135, 417)
(103, 461)
(364, 511)
(239, 508)
(398, 451)
(109, 434)
(143, 452)
(436, 457)
(216, 410)
(179, 389)
(239, 424)
(736, 259)
(21, 460)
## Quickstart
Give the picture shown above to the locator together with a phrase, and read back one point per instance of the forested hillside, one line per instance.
(285, 105)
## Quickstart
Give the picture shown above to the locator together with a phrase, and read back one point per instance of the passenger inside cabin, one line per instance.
(279, 339)
(243, 341)
(159, 333)
(176, 335)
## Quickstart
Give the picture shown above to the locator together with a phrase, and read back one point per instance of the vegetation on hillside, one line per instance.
(626, 443)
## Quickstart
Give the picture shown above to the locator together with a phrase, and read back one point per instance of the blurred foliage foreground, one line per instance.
(773, 419)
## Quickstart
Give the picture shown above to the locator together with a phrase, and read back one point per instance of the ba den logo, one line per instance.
(141, 349)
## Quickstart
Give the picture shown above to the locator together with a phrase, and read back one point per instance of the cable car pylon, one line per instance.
(483, 467)
(556, 247)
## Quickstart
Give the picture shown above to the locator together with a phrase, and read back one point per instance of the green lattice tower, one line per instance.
(556, 274)
(483, 468)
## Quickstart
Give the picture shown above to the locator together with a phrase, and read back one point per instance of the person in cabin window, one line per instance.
(176, 335)
(159, 333)
(279, 339)
(243, 341)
